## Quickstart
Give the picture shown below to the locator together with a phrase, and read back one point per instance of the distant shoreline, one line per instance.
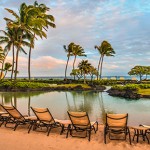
(88, 77)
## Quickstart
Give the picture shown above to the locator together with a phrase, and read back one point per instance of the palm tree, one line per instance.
(20, 29)
(77, 51)
(84, 66)
(68, 50)
(2, 57)
(37, 19)
(9, 40)
(104, 49)
(7, 68)
(93, 71)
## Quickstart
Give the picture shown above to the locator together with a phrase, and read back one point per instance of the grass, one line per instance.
(70, 85)
(144, 91)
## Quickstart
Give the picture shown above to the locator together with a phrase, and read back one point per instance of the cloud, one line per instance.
(124, 23)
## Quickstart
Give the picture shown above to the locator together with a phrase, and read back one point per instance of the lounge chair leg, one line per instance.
(1, 123)
(105, 135)
(49, 131)
(62, 130)
(96, 126)
(146, 137)
(16, 126)
(30, 128)
(137, 136)
(129, 136)
(89, 135)
(68, 130)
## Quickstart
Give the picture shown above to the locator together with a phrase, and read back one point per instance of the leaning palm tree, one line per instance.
(105, 49)
(77, 51)
(84, 66)
(68, 50)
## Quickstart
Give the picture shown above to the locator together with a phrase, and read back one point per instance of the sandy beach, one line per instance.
(21, 140)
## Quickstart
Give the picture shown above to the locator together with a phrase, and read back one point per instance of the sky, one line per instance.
(125, 24)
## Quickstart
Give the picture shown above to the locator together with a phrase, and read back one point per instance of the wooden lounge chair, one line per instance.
(116, 124)
(81, 123)
(4, 116)
(45, 119)
(17, 118)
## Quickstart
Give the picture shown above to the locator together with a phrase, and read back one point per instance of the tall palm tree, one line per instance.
(20, 29)
(84, 66)
(38, 20)
(105, 49)
(68, 50)
(77, 51)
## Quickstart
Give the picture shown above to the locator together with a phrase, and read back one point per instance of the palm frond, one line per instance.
(12, 12)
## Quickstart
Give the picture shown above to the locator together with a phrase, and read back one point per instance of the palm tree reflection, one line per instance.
(12, 98)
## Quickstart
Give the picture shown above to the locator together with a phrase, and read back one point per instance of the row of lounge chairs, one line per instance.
(79, 122)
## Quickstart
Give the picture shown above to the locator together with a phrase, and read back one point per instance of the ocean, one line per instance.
(88, 77)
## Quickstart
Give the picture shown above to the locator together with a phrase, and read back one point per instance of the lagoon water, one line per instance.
(95, 103)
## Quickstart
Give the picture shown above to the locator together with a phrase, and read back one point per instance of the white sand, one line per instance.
(21, 140)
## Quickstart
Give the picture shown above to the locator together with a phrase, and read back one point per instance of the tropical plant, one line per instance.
(2, 59)
(139, 71)
(93, 71)
(84, 66)
(68, 50)
(77, 51)
(105, 49)
(37, 19)
(77, 73)
(147, 71)
(9, 40)
(7, 67)
(20, 30)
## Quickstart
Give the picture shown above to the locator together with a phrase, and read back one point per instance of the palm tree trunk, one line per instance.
(29, 59)
(29, 63)
(74, 64)
(101, 67)
(12, 72)
(98, 67)
(66, 68)
(146, 77)
(5, 74)
(2, 70)
(140, 77)
(16, 66)
(84, 78)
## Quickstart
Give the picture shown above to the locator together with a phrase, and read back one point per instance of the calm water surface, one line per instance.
(95, 103)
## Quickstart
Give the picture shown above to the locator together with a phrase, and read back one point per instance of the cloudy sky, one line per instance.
(125, 24)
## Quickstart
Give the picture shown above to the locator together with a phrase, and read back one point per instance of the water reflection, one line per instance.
(95, 103)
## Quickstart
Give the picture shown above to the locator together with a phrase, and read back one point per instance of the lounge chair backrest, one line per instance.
(116, 120)
(43, 114)
(79, 118)
(13, 112)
